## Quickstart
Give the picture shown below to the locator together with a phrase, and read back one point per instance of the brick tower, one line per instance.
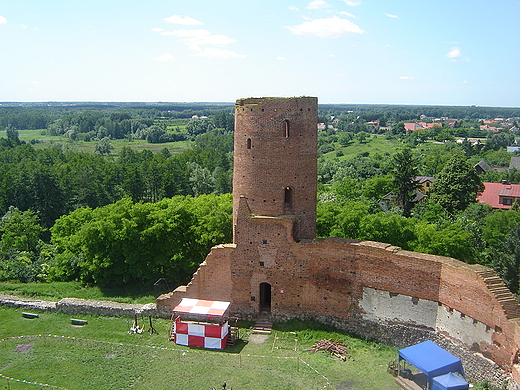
(275, 167)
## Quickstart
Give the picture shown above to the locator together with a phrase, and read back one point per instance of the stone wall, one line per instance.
(76, 306)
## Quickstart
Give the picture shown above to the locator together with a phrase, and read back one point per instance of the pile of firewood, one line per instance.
(336, 348)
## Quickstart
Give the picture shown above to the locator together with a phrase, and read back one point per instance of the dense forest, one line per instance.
(133, 216)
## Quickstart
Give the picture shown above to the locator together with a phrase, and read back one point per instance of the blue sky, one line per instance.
(449, 52)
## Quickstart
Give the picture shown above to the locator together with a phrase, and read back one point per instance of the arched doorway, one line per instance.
(265, 297)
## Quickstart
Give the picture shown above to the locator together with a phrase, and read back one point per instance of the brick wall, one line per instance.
(274, 138)
(274, 245)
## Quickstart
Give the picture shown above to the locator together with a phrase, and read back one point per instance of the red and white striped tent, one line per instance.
(201, 323)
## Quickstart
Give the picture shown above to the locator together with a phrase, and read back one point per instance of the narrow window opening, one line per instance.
(288, 197)
(286, 128)
(249, 143)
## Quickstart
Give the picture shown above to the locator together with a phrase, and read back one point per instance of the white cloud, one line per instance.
(293, 8)
(317, 4)
(200, 37)
(165, 58)
(465, 82)
(280, 58)
(213, 52)
(3, 20)
(392, 16)
(454, 52)
(455, 55)
(347, 14)
(186, 20)
(202, 42)
(333, 27)
(352, 3)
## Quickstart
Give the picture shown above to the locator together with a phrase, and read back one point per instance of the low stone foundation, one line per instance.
(88, 306)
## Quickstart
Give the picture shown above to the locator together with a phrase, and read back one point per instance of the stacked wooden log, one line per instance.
(334, 347)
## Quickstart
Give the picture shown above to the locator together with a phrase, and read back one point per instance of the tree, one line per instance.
(457, 185)
(506, 260)
(404, 170)
(19, 231)
(129, 242)
(12, 134)
(103, 146)
(387, 227)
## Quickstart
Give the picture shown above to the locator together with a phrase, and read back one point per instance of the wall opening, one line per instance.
(265, 297)
(288, 197)
(249, 143)
(286, 128)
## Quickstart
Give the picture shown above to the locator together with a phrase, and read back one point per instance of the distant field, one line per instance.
(102, 355)
(46, 141)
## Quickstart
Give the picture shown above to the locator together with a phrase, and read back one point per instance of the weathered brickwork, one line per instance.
(274, 138)
(276, 264)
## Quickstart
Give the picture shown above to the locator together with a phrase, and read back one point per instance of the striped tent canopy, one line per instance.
(201, 306)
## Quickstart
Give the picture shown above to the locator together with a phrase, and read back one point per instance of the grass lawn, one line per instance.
(102, 355)
(55, 291)
(45, 141)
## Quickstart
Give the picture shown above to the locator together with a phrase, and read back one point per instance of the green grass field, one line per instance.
(54, 291)
(102, 355)
(42, 140)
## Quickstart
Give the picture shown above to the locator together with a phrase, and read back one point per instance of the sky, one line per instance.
(418, 52)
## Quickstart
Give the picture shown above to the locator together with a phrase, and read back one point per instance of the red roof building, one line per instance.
(500, 195)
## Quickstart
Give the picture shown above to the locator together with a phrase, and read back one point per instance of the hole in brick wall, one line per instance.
(261, 263)
(264, 241)
(488, 328)
(475, 322)
(249, 143)
(253, 298)
(392, 295)
(497, 343)
(462, 315)
(415, 300)
(498, 329)
(286, 128)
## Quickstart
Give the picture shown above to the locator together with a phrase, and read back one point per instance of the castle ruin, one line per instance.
(276, 264)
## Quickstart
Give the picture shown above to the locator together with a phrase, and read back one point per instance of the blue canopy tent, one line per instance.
(449, 381)
(431, 359)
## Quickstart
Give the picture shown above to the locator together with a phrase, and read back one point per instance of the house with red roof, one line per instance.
(500, 195)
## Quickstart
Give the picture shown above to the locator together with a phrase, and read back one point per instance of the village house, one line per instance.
(500, 195)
